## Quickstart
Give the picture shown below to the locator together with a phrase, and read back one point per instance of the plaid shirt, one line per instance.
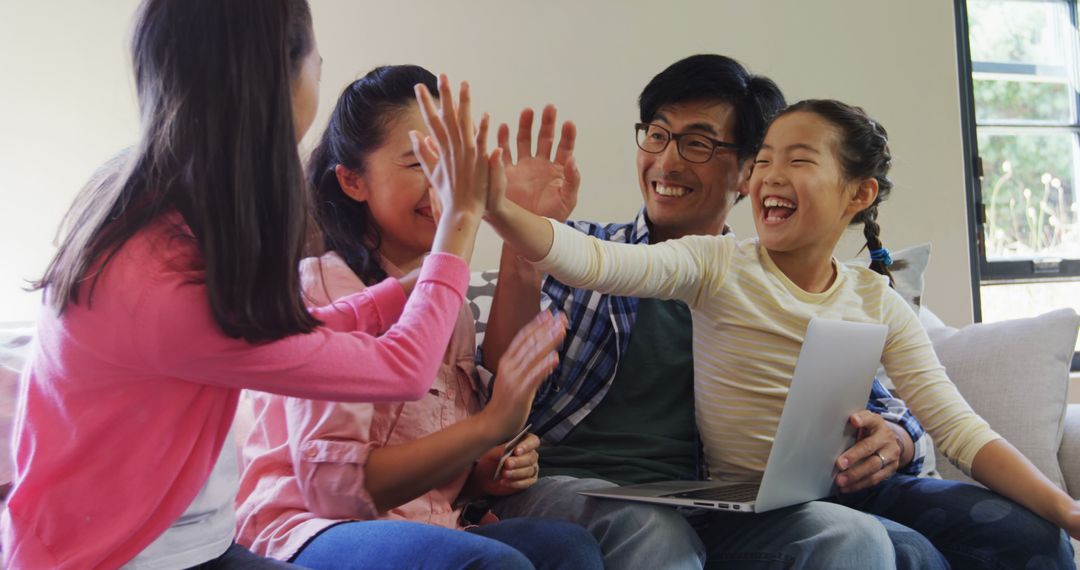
(600, 328)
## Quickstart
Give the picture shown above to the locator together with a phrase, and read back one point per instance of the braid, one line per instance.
(872, 233)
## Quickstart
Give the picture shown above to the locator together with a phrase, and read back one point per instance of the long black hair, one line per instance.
(217, 145)
(357, 127)
(864, 153)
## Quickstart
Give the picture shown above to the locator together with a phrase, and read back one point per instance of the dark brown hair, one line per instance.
(863, 148)
(357, 127)
(218, 146)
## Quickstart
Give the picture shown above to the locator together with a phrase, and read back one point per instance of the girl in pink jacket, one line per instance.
(325, 483)
(175, 285)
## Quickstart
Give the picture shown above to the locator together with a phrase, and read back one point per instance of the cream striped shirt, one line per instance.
(749, 320)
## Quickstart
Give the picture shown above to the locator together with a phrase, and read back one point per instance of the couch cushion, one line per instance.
(1015, 374)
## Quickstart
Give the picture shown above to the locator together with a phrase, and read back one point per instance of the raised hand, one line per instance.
(528, 360)
(536, 182)
(455, 161)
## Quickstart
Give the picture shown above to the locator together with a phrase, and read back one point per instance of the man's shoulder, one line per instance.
(608, 232)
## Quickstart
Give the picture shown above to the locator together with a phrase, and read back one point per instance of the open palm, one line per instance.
(536, 182)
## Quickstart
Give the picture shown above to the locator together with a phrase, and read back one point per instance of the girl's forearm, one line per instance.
(1002, 468)
(395, 475)
(456, 233)
(530, 235)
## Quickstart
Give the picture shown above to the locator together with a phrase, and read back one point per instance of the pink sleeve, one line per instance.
(371, 310)
(177, 336)
(329, 444)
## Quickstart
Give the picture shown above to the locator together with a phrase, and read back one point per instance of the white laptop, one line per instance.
(832, 380)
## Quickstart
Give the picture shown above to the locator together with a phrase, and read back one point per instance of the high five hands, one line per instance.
(456, 154)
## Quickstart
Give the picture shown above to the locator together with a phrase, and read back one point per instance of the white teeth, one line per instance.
(774, 202)
(675, 191)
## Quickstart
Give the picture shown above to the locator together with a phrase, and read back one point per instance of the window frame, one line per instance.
(984, 272)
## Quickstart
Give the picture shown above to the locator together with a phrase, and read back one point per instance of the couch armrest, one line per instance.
(1069, 452)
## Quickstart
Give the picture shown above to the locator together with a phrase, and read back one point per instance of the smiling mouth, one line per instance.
(776, 210)
(426, 212)
(670, 190)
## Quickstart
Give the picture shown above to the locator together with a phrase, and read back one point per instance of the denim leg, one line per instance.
(811, 535)
(239, 558)
(549, 544)
(913, 550)
(631, 535)
(972, 526)
(397, 544)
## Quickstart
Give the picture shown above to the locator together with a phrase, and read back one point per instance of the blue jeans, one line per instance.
(239, 558)
(638, 535)
(971, 526)
(524, 544)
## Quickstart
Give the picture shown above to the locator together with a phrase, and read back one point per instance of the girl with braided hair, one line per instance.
(822, 167)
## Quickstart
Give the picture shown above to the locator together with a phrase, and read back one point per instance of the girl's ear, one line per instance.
(864, 196)
(352, 184)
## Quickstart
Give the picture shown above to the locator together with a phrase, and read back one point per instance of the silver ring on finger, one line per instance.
(884, 462)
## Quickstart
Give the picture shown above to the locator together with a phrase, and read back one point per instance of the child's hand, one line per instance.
(536, 182)
(519, 472)
(454, 159)
(528, 360)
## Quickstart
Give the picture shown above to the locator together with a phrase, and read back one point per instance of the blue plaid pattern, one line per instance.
(600, 328)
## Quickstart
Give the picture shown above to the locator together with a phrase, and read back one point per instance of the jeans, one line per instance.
(639, 535)
(971, 526)
(239, 558)
(510, 545)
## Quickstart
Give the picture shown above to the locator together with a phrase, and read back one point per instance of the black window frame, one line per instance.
(984, 272)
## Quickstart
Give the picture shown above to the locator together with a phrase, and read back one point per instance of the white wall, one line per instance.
(68, 103)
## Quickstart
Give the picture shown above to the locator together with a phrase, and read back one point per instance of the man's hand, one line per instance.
(875, 456)
(519, 472)
(535, 182)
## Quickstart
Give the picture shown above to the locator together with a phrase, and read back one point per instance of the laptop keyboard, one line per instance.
(740, 493)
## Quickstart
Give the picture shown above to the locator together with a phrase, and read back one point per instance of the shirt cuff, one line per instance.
(388, 296)
(447, 269)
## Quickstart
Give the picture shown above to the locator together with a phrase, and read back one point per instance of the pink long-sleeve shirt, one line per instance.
(304, 461)
(125, 404)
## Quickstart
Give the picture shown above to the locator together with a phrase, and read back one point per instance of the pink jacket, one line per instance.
(125, 405)
(304, 461)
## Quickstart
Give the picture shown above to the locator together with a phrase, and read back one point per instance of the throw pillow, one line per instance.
(1015, 374)
(908, 271)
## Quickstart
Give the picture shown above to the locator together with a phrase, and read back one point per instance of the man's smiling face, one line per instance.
(684, 198)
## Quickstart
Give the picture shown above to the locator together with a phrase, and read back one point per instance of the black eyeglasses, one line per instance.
(691, 146)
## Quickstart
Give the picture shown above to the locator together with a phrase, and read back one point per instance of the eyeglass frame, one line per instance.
(639, 127)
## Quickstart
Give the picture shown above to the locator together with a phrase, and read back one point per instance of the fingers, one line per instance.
(497, 175)
(869, 423)
(572, 176)
(520, 467)
(565, 152)
(530, 443)
(430, 114)
(524, 134)
(504, 142)
(449, 114)
(546, 139)
(865, 475)
(482, 134)
(425, 155)
(465, 122)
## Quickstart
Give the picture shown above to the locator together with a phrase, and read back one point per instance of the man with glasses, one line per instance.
(619, 407)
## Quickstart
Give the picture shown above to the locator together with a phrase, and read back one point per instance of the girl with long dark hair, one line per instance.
(176, 285)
